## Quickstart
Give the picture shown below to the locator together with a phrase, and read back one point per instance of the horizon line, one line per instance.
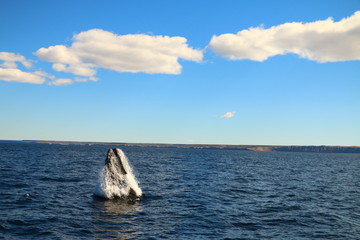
(157, 143)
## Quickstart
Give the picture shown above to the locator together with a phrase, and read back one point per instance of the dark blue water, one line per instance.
(46, 192)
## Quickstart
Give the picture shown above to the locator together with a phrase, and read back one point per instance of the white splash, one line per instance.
(117, 179)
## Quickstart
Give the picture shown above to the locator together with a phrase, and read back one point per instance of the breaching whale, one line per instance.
(117, 179)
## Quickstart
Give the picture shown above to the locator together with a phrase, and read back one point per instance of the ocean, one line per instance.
(47, 192)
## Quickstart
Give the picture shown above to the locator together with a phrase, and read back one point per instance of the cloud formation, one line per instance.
(16, 75)
(133, 53)
(61, 82)
(9, 60)
(228, 115)
(9, 70)
(321, 41)
(68, 81)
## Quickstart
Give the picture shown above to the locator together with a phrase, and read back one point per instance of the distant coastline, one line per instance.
(266, 148)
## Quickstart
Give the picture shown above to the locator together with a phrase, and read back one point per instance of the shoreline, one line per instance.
(261, 148)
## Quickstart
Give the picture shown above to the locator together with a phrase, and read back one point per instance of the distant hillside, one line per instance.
(317, 149)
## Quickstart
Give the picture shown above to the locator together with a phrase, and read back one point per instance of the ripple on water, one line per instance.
(46, 193)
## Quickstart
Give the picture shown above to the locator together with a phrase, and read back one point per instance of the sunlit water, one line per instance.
(46, 192)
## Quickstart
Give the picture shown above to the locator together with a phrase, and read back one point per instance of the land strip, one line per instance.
(278, 148)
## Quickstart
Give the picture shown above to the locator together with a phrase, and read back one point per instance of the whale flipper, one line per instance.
(117, 179)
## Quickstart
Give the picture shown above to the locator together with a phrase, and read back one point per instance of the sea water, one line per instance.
(46, 192)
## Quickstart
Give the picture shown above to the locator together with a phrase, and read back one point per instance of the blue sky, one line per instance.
(212, 72)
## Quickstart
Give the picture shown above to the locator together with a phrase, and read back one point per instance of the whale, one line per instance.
(116, 178)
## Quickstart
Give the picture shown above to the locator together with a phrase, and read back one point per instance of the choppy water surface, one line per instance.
(46, 192)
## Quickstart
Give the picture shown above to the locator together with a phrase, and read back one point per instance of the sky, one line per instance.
(191, 72)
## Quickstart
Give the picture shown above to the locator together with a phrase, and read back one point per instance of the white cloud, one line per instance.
(44, 74)
(10, 60)
(77, 69)
(16, 75)
(68, 81)
(97, 48)
(9, 70)
(321, 41)
(78, 79)
(10, 73)
(228, 115)
(8, 65)
(58, 54)
(61, 82)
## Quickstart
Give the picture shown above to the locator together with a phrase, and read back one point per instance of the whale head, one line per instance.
(117, 179)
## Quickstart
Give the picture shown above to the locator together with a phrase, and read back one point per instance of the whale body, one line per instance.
(117, 179)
